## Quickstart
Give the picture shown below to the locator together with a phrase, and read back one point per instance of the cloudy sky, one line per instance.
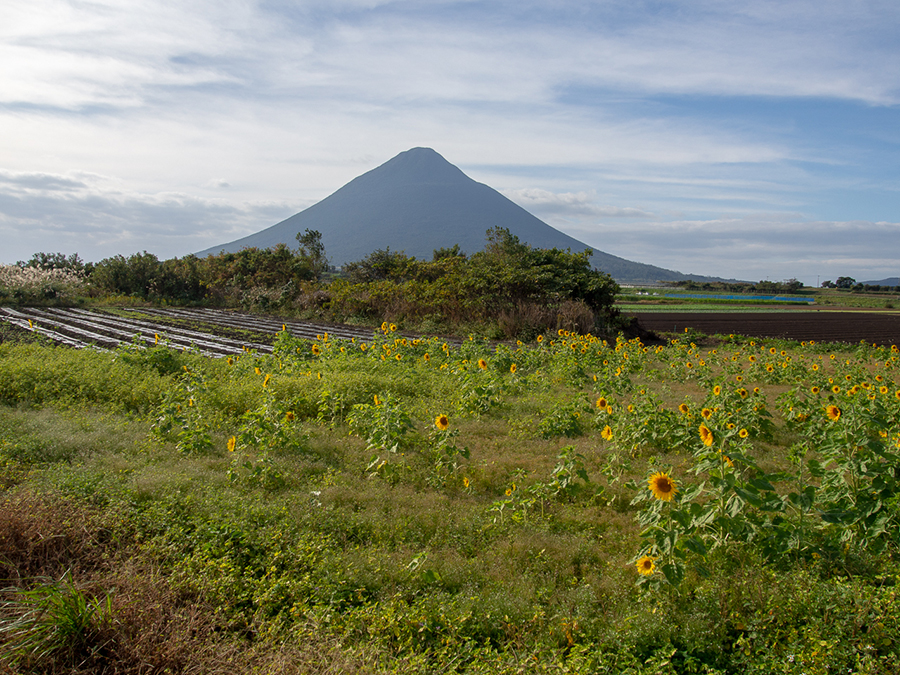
(742, 139)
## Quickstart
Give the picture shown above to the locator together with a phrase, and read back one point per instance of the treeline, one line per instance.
(509, 289)
(787, 286)
(850, 284)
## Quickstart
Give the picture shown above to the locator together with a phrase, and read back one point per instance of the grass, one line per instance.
(824, 298)
(311, 547)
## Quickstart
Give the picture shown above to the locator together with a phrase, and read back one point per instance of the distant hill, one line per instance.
(890, 281)
(417, 202)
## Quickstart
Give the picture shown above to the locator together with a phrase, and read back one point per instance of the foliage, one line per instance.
(37, 285)
(52, 617)
(721, 508)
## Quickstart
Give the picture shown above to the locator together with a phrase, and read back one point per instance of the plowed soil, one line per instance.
(821, 326)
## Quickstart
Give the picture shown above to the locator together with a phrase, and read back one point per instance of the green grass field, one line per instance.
(410, 506)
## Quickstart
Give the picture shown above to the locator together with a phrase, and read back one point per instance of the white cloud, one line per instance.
(545, 202)
(188, 124)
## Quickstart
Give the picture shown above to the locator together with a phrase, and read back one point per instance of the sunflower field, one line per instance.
(411, 505)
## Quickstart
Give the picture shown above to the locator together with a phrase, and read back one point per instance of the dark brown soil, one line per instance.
(821, 326)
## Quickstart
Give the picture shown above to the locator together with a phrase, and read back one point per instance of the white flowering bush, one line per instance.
(25, 285)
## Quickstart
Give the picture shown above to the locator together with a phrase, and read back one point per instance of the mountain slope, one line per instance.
(417, 202)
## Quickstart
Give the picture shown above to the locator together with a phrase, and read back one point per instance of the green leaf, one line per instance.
(674, 573)
(749, 497)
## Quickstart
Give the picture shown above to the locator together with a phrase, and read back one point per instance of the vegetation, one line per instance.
(787, 286)
(568, 505)
(507, 290)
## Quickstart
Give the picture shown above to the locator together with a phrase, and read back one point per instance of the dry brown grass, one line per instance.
(153, 627)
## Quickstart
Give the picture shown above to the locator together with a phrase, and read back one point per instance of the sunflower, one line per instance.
(315, 350)
(742, 393)
(426, 357)
(441, 422)
(706, 413)
(540, 338)
(815, 390)
(512, 368)
(607, 433)
(266, 381)
(601, 403)
(376, 399)
(743, 433)
(289, 416)
(683, 408)
(833, 412)
(231, 443)
(646, 565)
(482, 364)
(717, 390)
(662, 486)
(706, 435)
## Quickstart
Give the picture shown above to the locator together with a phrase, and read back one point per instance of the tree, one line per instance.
(381, 264)
(313, 251)
(55, 261)
(845, 282)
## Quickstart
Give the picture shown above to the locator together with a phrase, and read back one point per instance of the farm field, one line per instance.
(800, 325)
(227, 493)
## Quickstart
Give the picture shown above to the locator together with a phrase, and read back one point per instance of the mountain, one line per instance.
(417, 202)
(890, 281)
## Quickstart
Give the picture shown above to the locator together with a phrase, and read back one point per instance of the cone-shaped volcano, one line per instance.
(417, 202)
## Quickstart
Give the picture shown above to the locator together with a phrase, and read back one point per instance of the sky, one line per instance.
(750, 140)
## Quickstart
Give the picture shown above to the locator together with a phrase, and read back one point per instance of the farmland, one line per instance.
(275, 496)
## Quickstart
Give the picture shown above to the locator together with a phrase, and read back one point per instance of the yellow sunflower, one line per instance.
(833, 412)
(743, 433)
(482, 364)
(441, 422)
(607, 433)
(662, 486)
(706, 435)
(646, 565)
(683, 408)
(231, 443)
(717, 390)
(601, 403)
(512, 368)
(706, 413)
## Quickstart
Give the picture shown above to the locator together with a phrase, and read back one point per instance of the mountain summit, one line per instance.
(418, 202)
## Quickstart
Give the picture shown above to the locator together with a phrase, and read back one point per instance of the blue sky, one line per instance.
(750, 140)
